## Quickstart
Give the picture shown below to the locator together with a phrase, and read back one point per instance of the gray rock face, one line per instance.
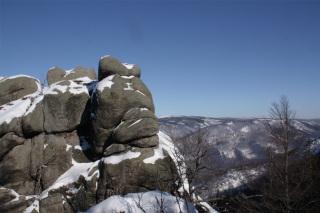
(56, 74)
(113, 98)
(134, 175)
(13, 126)
(32, 120)
(67, 147)
(15, 87)
(109, 65)
(8, 141)
(65, 106)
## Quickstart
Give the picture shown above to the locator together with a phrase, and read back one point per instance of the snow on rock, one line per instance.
(135, 122)
(158, 154)
(72, 175)
(141, 92)
(115, 159)
(148, 202)
(54, 88)
(106, 82)
(68, 72)
(76, 86)
(34, 104)
(129, 86)
(14, 109)
(105, 56)
(167, 144)
(33, 207)
(127, 77)
(128, 66)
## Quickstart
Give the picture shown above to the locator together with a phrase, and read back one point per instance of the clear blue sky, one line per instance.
(204, 58)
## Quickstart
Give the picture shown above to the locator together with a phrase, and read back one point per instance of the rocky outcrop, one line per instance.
(14, 88)
(67, 147)
(56, 74)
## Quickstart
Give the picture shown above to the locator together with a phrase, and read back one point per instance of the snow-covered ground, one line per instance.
(150, 202)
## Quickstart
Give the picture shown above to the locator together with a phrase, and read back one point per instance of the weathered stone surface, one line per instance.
(36, 161)
(114, 97)
(18, 205)
(57, 157)
(15, 87)
(114, 149)
(131, 130)
(32, 121)
(6, 195)
(15, 167)
(109, 65)
(54, 203)
(133, 175)
(146, 142)
(134, 70)
(64, 111)
(8, 141)
(56, 74)
(85, 198)
(14, 126)
(137, 123)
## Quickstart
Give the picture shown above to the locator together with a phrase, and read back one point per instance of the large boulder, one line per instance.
(109, 65)
(136, 170)
(133, 70)
(113, 97)
(16, 87)
(66, 105)
(136, 124)
(57, 74)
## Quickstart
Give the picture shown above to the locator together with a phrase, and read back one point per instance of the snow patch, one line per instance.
(105, 83)
(129, 86)
(33, 206)
(68, 72)
(135, 123)
(105, 56)
(68, 147)
(141, 92)
(34, 104)
(158, 154)
(149, 201)
(72, 175)
(128, 66)
(13, 110)
(115, 159)
(127, 77)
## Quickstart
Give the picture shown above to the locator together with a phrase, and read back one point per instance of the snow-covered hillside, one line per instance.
(233, 138)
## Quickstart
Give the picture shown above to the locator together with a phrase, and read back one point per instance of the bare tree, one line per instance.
(289, 183)
(193, 154)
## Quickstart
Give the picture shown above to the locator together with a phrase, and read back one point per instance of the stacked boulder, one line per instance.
(122, 108)
(84, 138)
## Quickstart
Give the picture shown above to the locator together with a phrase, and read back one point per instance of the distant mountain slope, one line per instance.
(237, 144)
(234, 138)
